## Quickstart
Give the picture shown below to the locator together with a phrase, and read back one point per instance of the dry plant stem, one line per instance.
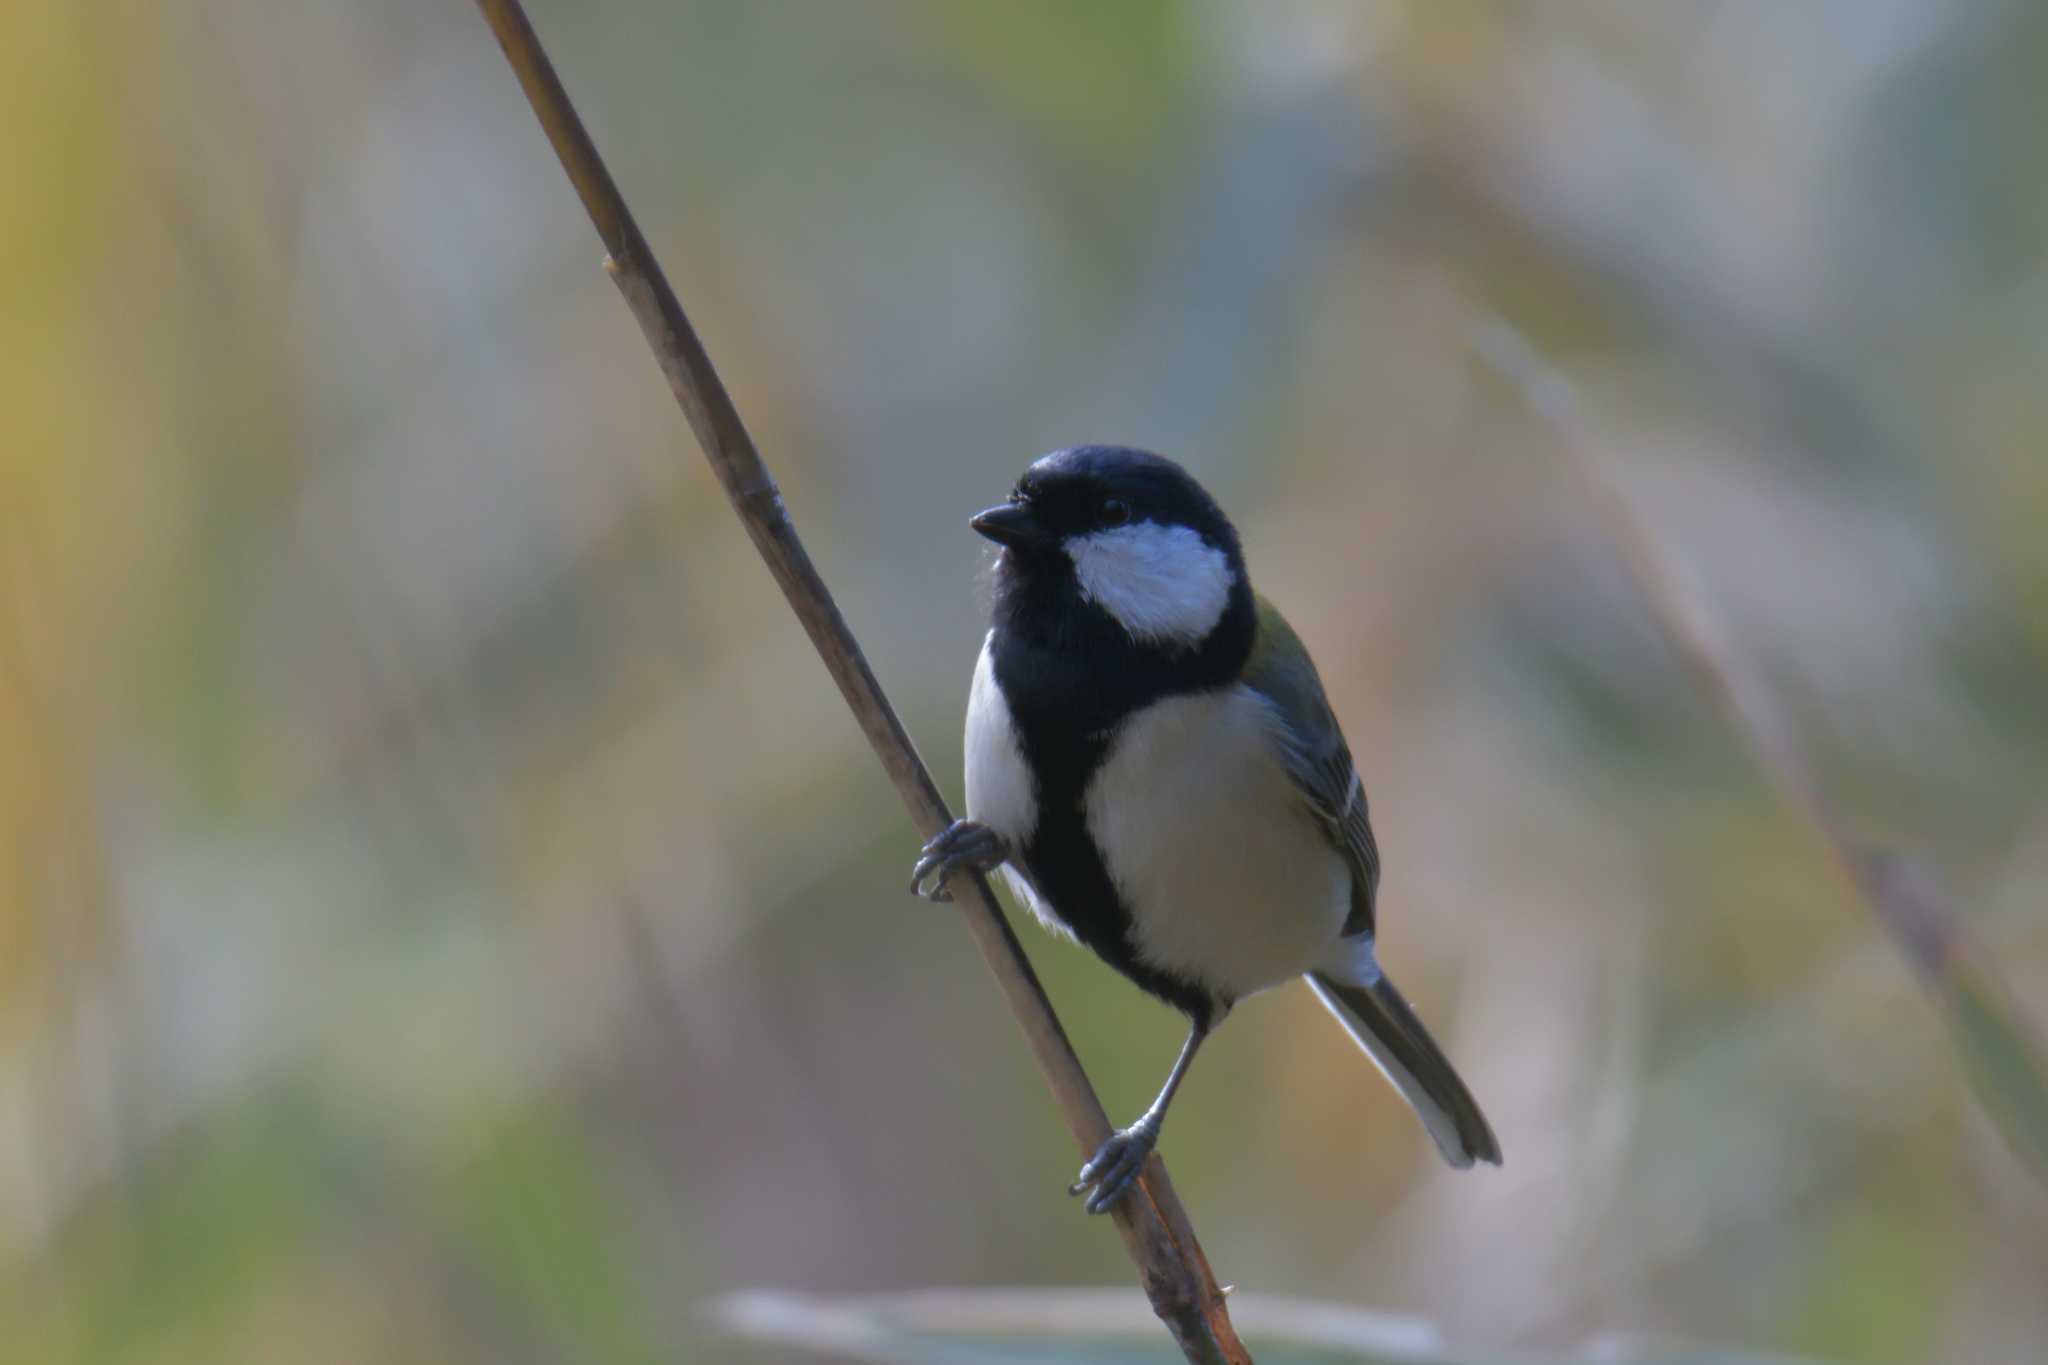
(1912, 910)
(1900, 890)
(1176, 1276)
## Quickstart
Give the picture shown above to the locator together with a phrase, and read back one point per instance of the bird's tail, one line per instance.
(1380, 1021)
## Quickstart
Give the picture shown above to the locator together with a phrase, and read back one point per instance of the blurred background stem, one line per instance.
(1903, 894)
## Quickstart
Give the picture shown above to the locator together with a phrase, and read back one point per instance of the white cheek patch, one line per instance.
(1159, 582)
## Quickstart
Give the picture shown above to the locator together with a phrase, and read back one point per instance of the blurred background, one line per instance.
(446, 913)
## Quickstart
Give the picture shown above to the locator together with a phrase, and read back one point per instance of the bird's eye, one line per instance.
(1115, 512)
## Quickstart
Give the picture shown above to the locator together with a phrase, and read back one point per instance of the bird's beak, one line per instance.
(1012, 524)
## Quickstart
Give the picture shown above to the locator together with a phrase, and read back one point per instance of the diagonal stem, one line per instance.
(1156, 1230)
(2010, 1063)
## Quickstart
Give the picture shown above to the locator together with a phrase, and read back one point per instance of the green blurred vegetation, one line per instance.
(446, 915)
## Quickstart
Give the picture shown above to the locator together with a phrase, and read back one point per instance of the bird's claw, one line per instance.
(1114, 1168)
(963, 844)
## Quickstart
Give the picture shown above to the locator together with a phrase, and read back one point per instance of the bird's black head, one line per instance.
(1090, 490)
(1108, 549)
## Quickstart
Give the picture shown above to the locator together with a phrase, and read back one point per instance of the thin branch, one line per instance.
(1156, 1230)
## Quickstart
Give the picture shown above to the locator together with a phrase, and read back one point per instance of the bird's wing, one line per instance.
(1313, 750)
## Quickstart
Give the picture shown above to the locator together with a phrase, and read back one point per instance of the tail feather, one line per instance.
(1382, 1023)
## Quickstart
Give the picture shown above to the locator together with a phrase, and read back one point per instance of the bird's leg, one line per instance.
(1116, 1163)
(965, 843)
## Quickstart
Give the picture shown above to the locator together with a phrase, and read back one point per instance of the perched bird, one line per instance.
(1152, 764)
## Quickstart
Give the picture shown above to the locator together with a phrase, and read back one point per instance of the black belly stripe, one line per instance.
(1071, 677)
(1066, 730)
(1066, 868)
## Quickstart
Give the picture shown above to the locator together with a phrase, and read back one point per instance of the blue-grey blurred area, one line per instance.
(446, 913)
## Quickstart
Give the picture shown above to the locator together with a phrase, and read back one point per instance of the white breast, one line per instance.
(999, 788)
(1229, 880)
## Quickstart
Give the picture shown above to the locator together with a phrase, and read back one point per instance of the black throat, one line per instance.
(1071, 676)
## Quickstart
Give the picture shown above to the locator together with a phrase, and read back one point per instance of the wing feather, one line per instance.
(1316, 756)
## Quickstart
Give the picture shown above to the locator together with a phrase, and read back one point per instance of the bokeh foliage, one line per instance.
(444, 913)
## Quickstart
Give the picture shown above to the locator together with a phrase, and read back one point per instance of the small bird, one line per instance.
(1152, 764)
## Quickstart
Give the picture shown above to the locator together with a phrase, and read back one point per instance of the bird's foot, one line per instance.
(965, 844)
(1115, 1165)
